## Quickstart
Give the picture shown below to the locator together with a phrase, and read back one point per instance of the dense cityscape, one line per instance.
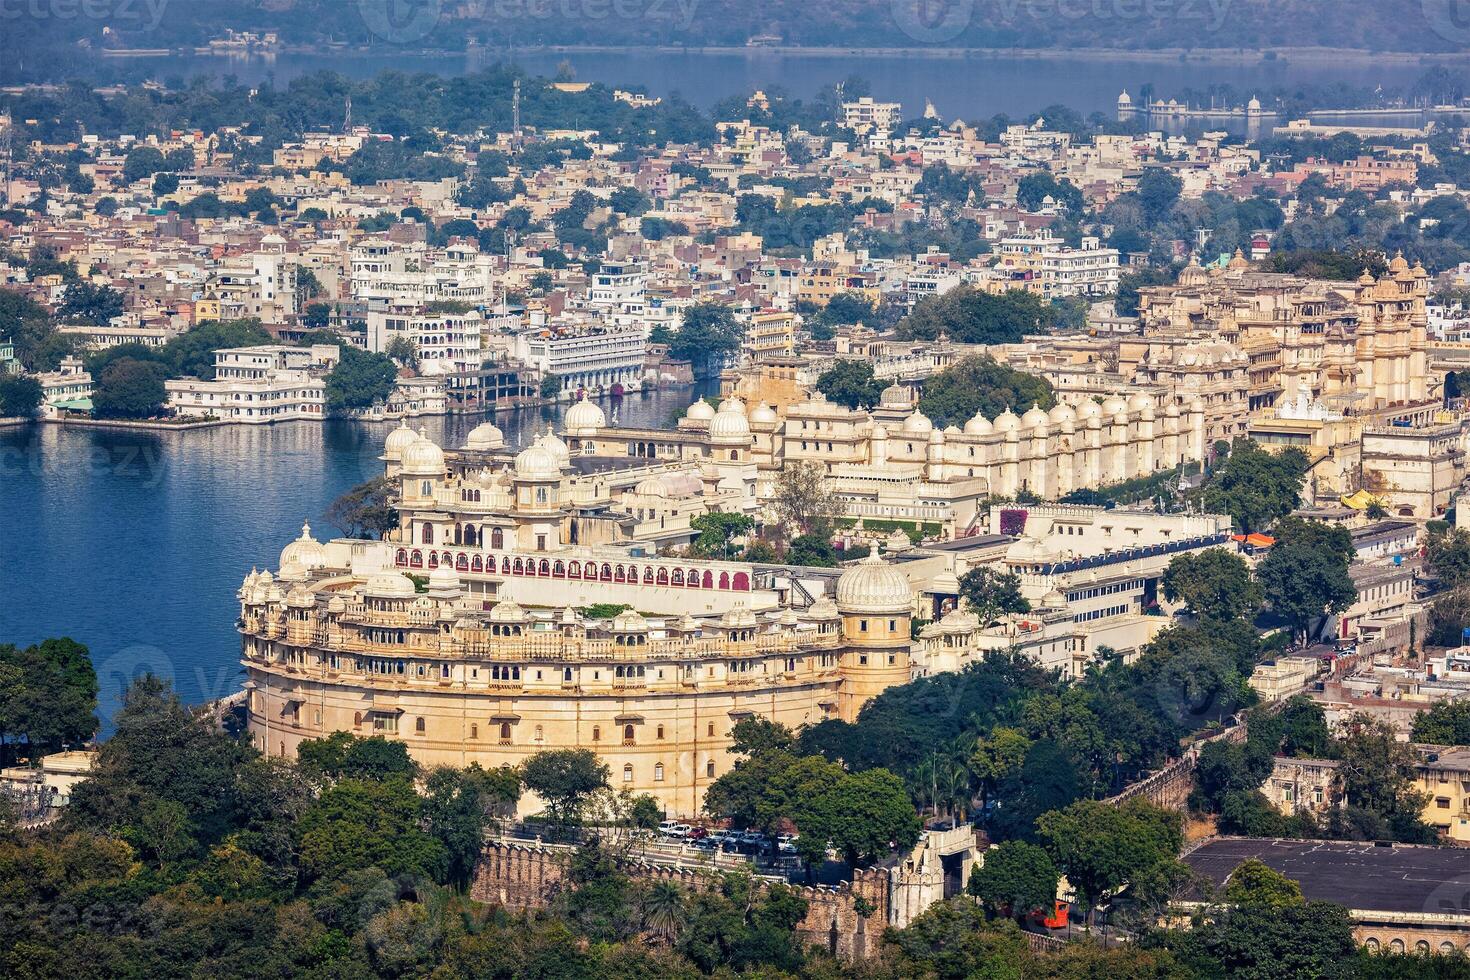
(798, 534)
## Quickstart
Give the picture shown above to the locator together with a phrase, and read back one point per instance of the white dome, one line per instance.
(305, 551)
(732, 405)
(651, 487)
(1062, 413)
(1114, 406)
(552, 443)
(485, 436)
(584, 416)
(443, 580)
(537, 463)
(399, 440)
(507, 611)
(1089, 410)
(763, 414)
(979, 426)
(917, 424)
(1034, 419)
(390, 585)
(1007, 422)
(423, 458)
(730, 423)
(874, 586)
(895, 396)
(700, 411)
(629, 621)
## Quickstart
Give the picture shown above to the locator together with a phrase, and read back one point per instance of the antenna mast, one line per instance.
(515, 111)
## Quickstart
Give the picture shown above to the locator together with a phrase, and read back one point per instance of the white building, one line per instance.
(446, 343)
(618, 290)
(867, 116)
(69, 388)
(389, 273)
(1064, 271)
(258, 385)
(591, 359)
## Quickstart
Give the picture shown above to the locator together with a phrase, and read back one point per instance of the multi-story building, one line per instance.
(1311, 785)
(770, 333)
(868, 116)
(1091, 270)
(586, 358)
(258, 385)
(1442, 773)
(493, 662)
(449, 347)
(69, 388)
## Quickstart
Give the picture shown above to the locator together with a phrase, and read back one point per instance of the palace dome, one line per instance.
(1061, 413)
(917, 424)
(584, 416)
(651, 487)
(874, 586)
(399, 440)
(732, 405)
(1089, 410)
(730, 423)
(1138, 402)
(895, 396)
(305, 551)
(979, 425)
(300, 597)
(1007, 422)
(536, 462)
(390, 585)
(629, 621)
(485, 436)
(822, 609)
(443, 580)
(423, 458)
(763, 414)
(700, 411)
(1114, 406)
(554, 445)
(507, 611)
(1035, 418)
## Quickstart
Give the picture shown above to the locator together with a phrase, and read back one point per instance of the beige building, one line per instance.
(1311, 785)
(497, 652)
(1443, 774)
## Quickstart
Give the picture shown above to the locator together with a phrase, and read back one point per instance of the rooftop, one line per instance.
(1359, 875)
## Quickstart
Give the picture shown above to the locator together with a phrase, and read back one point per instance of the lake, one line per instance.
(970, 87)
(134, 542)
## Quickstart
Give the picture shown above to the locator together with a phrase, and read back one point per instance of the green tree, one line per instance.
(20, 396)
(1447, 723)
(1378, 774)
(1257, 883)
(458, 804)
(551, 386)
(970, 316)
(850, 383)
(1255, 487)
(1016, 878)
(802, 500)
(360, 379)
(367, 510)
(998, 757)
(342, 755)
(1215, 583)
(708, 334)
(564, 779)
(367, 823)
(1448, 553)
(991, 594)
(130, 389)
(864, 815)
(317, 316)
(978, 385)
(813, 549)
(86, 302)
(402, 350)
(191, 354)
(754, 734)
(1101, 848)
(1306, 572)
(48, 697)
(1304, 729)
(716, 531)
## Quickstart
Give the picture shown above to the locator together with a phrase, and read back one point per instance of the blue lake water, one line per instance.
(134, 542)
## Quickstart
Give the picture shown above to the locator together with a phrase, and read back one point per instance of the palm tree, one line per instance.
(663, 911)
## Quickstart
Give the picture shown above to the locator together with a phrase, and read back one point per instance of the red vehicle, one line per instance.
(1057, 919)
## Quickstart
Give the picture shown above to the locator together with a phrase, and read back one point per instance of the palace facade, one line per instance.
(483, 630)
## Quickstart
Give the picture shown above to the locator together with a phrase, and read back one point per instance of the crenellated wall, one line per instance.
(529, 876)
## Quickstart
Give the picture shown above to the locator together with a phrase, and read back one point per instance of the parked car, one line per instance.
(672, 828)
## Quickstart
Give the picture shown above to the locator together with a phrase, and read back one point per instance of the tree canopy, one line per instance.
(980, 385)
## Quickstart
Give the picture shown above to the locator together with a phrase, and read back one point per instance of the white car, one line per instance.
(672, 828)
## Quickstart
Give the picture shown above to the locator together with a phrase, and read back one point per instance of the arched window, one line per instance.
(433, 560)
(678, 576)
(694, 578)
(545, 567)
(647, 576)
(663, 576)
(418, 726)
(709, 769)
(627, 774)
(476, 565)
(402, 557)
(606, 572)
(518, 567)
(462, 563)
(660, 732)
(658, 772)
(709, 580)
(558, 569)
(627, 733)
(416, 560)
(505, 731)
(597, 733)
(741, 582)
(618, 574)
(428, 534)
(724, 580)
(474, 731)
(497, 538)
